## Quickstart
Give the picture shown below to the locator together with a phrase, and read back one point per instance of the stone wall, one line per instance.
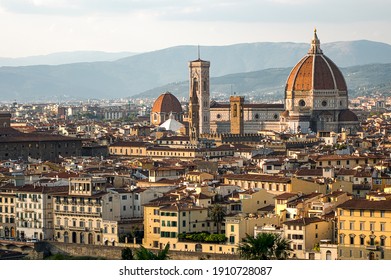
(113, 253)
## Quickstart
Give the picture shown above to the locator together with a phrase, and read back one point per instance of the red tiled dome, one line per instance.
(166, 103)
(347, 116)
(315, 71)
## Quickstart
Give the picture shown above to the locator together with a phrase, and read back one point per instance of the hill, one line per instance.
(64, 58)
(132, 75)
(269, 84)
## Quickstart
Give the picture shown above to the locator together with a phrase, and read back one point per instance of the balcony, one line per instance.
(372, 247)
(75, 213)
(97, 229)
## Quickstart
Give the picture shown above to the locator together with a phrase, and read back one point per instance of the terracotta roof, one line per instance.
(347, 116)
(286, 195)
(303, 221)
(268, 208)
(130, 144)
(9, 134)
(166, 103)
(366, 204)
(310, 172)
(251, 177)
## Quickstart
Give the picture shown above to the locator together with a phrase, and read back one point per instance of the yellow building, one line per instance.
(7, 211)
(198, 177)
(237, 227)
(364, 229)
(163, 222)
(346, 161)
(253, 200)
(131, 149)
(273, 184)
(305, 233)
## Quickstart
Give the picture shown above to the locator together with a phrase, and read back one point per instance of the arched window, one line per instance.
(328, 255)
(235, 110)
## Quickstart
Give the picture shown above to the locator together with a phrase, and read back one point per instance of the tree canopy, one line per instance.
(265, 246)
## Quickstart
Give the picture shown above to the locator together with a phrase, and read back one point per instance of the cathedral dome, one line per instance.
(347, 116)
(166, 103)
(315, 71)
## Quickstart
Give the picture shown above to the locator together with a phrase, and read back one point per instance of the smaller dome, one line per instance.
(285, 114)
(167, 103)
(347, 116)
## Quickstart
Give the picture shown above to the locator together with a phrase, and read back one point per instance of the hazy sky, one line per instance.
(34, 27)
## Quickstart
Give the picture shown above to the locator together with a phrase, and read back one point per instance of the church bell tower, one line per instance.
(199, 95)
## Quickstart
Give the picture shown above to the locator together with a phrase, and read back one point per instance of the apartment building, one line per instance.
(7, 211)
(132, 200)
(274, 184)
(34, 211)
(306, 233)
(87, 213)
(364, 229)
(164, 221)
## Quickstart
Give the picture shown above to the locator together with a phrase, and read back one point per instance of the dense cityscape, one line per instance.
(201, 178)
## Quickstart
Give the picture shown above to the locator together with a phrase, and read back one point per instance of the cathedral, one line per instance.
(316, 99)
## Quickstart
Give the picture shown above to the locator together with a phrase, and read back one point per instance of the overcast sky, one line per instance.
(35, 27)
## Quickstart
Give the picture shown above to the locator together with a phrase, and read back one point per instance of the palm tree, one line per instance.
(265, 246)
(144, 254)
(217, 213)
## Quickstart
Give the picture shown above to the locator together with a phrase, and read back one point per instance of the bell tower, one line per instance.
(236, 114)
(199, 95)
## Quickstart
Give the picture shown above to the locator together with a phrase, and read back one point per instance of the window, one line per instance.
(232, 228)
(362, 240)
(382, 226)
(372, 226)
(352, 240)
(351, 225)
(361, 213)
(372, 213)
(351, 211)
(341, 225)
(382, 213)
(341, 239)
(124, 197)
(362, 225)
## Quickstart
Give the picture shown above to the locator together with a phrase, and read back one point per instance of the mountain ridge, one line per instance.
(139, 73)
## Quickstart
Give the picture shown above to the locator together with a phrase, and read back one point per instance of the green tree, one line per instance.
(264, 246)
(217, 213)
(143, 253)
(127, 254)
